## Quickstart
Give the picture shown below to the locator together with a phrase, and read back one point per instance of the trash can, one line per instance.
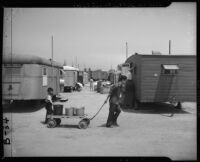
(80, 111)
(69, 111)
(57, 109)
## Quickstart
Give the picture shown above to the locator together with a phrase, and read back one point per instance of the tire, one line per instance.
(178, 106)
(51, 123)
(82, 124)
(58, 121)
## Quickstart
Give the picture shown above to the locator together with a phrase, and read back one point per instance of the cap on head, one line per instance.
(49, 89)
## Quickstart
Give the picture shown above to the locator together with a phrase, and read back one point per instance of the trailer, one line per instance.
(99, 75)
(163, 78)
(70, 78)
(27, 77)
(83, 77)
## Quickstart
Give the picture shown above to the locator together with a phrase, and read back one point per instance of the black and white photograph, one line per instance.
(100, 82)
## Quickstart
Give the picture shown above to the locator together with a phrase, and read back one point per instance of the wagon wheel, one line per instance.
(83, 124)
(58, 121)
(51, 123)
(178, 106)
(173, 101)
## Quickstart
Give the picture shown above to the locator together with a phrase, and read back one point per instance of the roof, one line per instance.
(170, 67)
(159, 56)
(29, 59)
(70, 68)
(163, 55)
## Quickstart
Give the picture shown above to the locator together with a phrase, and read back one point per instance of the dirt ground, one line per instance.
(145, 132)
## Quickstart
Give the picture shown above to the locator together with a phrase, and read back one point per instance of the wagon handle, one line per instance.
(98, 111)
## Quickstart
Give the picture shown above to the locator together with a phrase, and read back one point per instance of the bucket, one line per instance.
(80, 111)
(57, 109)
(69, 111)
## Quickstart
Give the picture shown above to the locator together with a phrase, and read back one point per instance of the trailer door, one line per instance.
(167, 78)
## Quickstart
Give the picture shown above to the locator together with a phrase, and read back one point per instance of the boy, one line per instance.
(49, 103)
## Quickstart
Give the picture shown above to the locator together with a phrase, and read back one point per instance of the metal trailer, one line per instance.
(27, 77)
(163, 78)
(70, 78)
(83, 77)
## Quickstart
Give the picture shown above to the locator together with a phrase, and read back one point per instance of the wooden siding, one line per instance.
(162, 87)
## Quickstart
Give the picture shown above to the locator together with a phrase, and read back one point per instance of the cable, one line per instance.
(98, 111)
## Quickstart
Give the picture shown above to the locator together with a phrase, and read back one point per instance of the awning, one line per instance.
(62, 71)
(170, 67)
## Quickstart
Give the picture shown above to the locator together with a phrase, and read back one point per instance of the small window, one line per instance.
(170, 69)
(12, 71)
(135, 70)
(131, 65)
(44, 71)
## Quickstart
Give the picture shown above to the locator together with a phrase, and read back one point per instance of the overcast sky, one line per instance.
(98, 36)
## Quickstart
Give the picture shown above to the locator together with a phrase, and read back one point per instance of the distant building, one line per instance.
(99, 75)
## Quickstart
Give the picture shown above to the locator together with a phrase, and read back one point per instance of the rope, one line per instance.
(98, 111)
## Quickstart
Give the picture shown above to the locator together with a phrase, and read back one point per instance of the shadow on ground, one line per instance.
(63, 125)
(23, 107)
(103, 125)
(156, 108)
(67, 126)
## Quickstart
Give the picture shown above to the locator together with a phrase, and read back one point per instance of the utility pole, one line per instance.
(52, 51)
(76, 61)
(169, 47)
(126, 50)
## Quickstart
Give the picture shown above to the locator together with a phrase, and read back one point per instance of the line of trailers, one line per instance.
(27, 77)
(156, 78)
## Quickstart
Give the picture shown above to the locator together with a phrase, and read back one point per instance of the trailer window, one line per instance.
(131, 65)
(135, 70)
(12, 71)
(170, 69)
(44, 71)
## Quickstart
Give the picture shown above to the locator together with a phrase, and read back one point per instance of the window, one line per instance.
(135, 70)
(44, 71)
(131, 65)
(170, 69)
(12, 71)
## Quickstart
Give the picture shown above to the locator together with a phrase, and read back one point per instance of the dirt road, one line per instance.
(141, 133)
